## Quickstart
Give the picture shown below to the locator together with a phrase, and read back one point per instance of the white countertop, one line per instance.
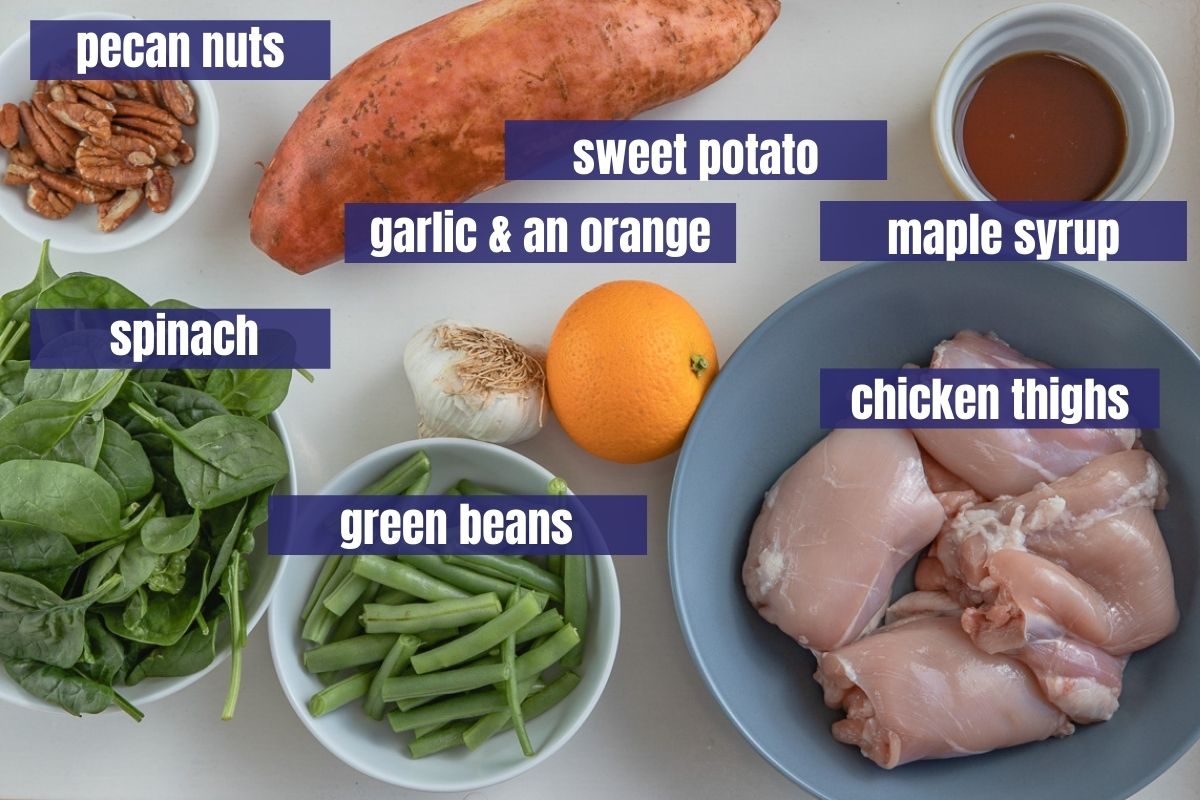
(656, 731)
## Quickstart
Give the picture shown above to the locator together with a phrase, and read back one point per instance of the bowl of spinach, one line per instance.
(133, 506)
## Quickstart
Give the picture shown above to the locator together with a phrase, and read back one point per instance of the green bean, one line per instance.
(442, 739)
(465, 579)
(337, 695)
(396, 659)
(416, 617)
(544, 623)
(575, 603)
(425, 730)
(349, 625)
(392, 597)
(554, 563)
(482, 639)
(409, 703)
(515, 569)
(327, 567)
(405, 578)
(344, 596)
(471, 487)
(536, 704)
(548, 653)
(465, 706)
(437, 635)
(446, 682)
(400, 477)
(321, 621)
(420, 485)
(353, 652)
(508, 657)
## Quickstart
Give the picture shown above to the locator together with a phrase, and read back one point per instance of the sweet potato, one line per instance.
(420, 118)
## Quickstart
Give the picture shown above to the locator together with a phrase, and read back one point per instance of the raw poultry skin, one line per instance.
(920, 689)
(998, 461)
(1070, 578)
(834, 531)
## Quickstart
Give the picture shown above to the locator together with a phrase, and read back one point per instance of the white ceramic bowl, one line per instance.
(265, 574)
(1099, 41)
(370, 746)
(77, 233)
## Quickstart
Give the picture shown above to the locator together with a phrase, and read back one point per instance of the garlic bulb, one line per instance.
(475, 383)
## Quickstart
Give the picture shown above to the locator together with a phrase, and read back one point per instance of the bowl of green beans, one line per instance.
(444, 673)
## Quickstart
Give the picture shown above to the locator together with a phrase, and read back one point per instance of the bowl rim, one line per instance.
(946, 96)
(165, 687)
(675, 565)
(281, 635)
(199, 171)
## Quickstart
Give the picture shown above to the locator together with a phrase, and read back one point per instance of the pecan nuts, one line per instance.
(48, 202)
(114, 212)
(84, 118)
(10, 125)
(121, 162)
(177, 96)
(159, 189)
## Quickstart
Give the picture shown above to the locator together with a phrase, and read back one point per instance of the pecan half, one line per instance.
(146, 92)
(23, 154)
(159, 190)
(155, 125)
(83, 117)
(41, 103)
(177, 96)
(125, 89)
(111, 214)
(96, 101)
(185, 152)
(102, 88)
(119, 163)
(64, 93)
(51, 149)
(10, 125)
(76, 189)
(47, 202)
(19, 174)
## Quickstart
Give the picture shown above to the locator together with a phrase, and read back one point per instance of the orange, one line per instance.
(627, 367)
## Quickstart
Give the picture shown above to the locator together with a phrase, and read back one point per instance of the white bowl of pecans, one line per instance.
(100, 166)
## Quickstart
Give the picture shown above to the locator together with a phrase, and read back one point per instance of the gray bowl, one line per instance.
(761, 414)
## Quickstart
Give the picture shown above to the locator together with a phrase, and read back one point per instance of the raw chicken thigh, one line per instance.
(1007, 461)
(920, 689)
(833, 532)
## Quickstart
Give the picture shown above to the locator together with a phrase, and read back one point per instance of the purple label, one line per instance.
(989, 398)
(498, 525)
(927, 230)
(701, 150)
(541, 233)
(169, 338)
(208, 49)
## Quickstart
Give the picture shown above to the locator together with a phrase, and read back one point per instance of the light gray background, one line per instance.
(656, 731)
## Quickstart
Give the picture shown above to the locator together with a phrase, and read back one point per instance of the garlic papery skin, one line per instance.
(475, 383)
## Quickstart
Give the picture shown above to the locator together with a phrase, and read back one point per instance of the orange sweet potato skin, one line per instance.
(420, 117)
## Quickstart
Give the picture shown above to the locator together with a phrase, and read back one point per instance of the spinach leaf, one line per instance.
(192, 653)
(222, 459)
(52, 634)
(227, 531)
(170, 573)
(19, 593)
(27, 548)
(15, 305)
(104, 655)
(102, 566)
(167, 616)
(171, 534)
(54, 430)
(99, 386)
(75, 693)
(81, 290)
(12, 384)
(135, 566)
(187, 405)
(123, 463)
(251, 392)
(63, 497)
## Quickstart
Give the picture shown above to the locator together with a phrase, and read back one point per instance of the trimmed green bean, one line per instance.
(425, 730)
(400, 477)
(543, 624)
(454, 708)
(409, 703)
(575, 603)
(339, 694)
(436, 635)
(419, 486)
(536, 704)
(516, 569)
(341, 599)
(463, 578)
(405, 578)
(482, 639)
(349, 624)
(327, 567)
(442, 739)
(448, 681)
(416, 617)
(548, 653)
(512, 692)
(396, 659)
(321, 621)
(354, 652)
(466, 486)
(554, 563)
(392, 597)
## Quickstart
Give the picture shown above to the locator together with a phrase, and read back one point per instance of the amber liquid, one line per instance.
(1042, 126)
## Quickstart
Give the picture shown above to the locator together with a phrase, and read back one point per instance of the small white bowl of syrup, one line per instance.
(1052, 102)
